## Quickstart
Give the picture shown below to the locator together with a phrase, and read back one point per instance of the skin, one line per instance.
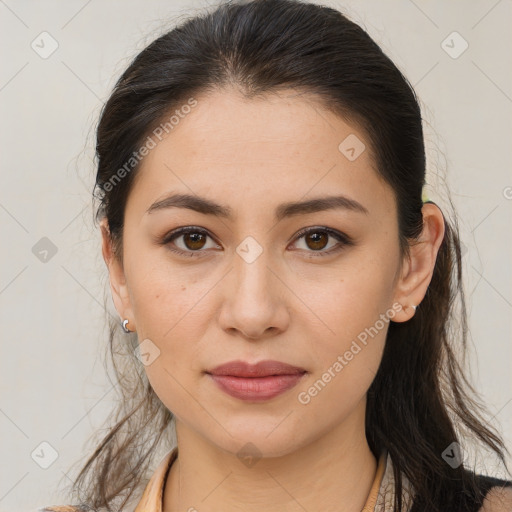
(287, 305)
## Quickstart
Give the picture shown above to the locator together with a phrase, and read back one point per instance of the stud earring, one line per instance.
(123, 324)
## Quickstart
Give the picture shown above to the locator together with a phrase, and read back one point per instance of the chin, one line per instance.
(258, 440)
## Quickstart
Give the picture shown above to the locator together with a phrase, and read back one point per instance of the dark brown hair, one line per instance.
(420, 400)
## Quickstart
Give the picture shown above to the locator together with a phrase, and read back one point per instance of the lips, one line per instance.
(256, 382)
(261, 369)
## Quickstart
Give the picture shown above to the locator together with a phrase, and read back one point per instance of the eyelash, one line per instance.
(344, 240)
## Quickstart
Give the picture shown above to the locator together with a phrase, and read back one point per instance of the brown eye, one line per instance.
(189, 241)
(194, 241)
(316, 240)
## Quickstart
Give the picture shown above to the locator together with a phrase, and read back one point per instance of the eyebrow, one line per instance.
(289, 209)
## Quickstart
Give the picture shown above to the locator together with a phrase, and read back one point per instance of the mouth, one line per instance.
(256, 382)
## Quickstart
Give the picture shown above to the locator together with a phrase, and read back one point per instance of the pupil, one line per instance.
(317, 240)
(196, 239)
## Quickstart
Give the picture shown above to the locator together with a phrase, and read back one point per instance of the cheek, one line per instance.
(164, 297)
(170, 314)
(172, 307)
(347, 359)
(352, 313)
(348, 300)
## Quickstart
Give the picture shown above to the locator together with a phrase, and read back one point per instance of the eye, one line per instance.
(193, 240)
(317, 238)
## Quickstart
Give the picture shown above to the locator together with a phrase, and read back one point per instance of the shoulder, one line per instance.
(489, 494)
(498, 499)
(496, 494)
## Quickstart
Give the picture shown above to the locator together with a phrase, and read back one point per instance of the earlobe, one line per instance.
(417, 272)
(118, 287)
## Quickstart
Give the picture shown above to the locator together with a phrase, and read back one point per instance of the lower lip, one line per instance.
(256, 388)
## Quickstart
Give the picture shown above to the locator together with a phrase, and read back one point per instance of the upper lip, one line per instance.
(262, 369)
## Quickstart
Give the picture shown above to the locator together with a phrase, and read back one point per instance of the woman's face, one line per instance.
(246, 284)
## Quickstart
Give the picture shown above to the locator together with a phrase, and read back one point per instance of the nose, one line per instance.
(254, 300)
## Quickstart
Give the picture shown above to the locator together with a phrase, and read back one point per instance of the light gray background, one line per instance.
(53, 383)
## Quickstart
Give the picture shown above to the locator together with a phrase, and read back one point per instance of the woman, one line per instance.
(287, 289)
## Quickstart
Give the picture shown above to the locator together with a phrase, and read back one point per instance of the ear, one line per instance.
(118, 287)
(418, 268)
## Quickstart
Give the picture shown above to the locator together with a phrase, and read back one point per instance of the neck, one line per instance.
(332, 473)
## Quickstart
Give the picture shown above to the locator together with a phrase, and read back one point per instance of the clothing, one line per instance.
(380, 497)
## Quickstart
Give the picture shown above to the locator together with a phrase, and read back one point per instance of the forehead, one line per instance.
(260, 151)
